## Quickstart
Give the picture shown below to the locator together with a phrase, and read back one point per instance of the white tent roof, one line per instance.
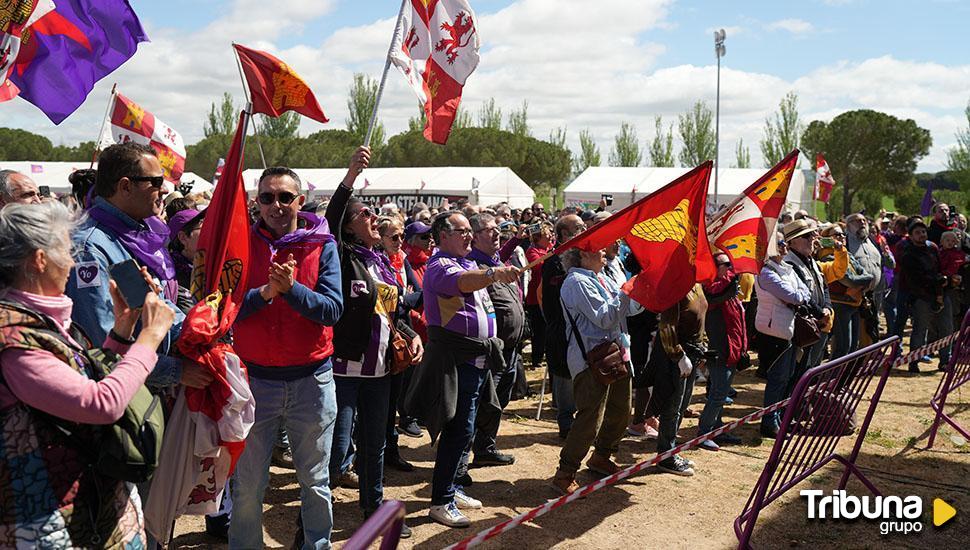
(51, 174)
(627, 185)
(494, 184)
(199, 184)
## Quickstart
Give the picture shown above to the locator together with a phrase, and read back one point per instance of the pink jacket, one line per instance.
(41, 380)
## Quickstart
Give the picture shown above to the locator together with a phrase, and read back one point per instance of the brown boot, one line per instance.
(565, 483)
(602, 465)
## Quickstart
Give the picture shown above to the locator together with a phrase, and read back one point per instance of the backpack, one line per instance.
(129, 448)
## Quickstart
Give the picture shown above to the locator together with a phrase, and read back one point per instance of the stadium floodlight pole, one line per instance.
(719, 50)
(387, 67)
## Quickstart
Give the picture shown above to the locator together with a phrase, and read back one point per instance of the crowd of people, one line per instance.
(363, 323)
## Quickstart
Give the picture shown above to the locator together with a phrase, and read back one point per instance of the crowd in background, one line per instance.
(364, 323)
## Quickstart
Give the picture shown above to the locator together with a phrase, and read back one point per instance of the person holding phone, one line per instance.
(43, 369)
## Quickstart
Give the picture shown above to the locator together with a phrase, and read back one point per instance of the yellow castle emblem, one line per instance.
(674, 225)
(289, 90)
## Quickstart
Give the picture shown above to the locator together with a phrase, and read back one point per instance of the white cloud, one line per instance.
(575, 69)
(794, 26)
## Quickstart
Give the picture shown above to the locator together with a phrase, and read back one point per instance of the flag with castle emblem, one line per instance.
(131, 123)
(745, 229)
(435, 46)
(275, 88)
(665, 232)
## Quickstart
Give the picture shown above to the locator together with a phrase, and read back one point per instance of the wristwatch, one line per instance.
(490, 273)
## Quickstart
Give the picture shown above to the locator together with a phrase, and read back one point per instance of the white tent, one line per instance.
(405, 186)
(51, 174)
(628, 185)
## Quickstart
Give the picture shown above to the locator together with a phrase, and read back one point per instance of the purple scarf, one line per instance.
(146, 244)
(370, 257)
(310, 228)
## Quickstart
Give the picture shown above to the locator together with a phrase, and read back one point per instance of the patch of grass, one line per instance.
(876, 437)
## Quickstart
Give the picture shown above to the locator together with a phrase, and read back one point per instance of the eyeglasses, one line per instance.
(425, 236)
(466, 232)
(285, 198)
(365, 212)
(155, 181)
(492, 230)
(724, 264)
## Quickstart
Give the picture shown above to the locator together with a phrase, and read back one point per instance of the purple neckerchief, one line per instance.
(309, 228)
(383, 264)
(480, 257)
(146, 242)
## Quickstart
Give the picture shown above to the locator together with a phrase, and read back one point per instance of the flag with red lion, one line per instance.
(435, 46)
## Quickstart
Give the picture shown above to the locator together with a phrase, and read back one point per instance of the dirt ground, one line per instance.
(656, 510)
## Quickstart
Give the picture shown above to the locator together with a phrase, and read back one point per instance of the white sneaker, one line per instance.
(466, 502)
(449, 516)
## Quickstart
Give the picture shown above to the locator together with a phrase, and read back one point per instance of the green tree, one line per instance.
(490, 116)
(958, 158)
(18, 144)
(742, 156)
(361, 103)
(781, 133)
(535, 161)
(283, 126)
(626, 147)
(222, 118)
(417, 123)
(589, 153)
(519, 121)
(696, 128)
(662, 146)
(871, 155)
(462, 119)
(82, 152)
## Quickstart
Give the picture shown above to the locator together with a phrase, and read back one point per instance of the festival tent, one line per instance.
(405, 186)
(51, 174)
(627, 185)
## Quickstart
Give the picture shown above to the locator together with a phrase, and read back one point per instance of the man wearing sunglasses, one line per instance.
(17, 188)
(123, 224)
(284, 334)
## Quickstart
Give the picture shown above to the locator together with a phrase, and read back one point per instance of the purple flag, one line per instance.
(926, 207)
(70, 49)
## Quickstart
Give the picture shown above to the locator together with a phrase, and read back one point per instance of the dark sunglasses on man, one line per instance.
(155, 181)
(366, 212)
(285, 198)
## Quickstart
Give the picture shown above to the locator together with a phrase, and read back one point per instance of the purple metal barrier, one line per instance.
(957, 374)
(821, 412)
(386, 522)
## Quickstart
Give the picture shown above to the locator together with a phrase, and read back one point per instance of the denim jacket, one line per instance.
(95, 248)
(600, 314)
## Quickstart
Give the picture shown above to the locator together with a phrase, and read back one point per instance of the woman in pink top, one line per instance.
(60, 501)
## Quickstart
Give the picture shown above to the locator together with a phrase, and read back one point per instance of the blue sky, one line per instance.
(579, 64)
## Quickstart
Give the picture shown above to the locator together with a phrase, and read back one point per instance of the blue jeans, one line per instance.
(487, 429)
(456, 434)
(925, 319)
(562, 390)
(845, 331)
(780, 356)
(307, 408)
(368, 399)
(718, 384)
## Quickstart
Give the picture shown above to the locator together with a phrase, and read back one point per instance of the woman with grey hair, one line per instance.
(47, 370)
(595, 310)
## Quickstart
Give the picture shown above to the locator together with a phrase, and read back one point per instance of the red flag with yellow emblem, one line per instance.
(664, 231)
(745, 229)
(275, 88)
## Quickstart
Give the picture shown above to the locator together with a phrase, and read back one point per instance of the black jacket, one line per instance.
(433, 392)
(552, 277)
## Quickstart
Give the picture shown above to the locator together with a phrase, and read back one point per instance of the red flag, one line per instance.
(745, 229)
(823, 179)
(275, 88)
(435, 46)
(131, 122)
(219, 284)
(666, 232)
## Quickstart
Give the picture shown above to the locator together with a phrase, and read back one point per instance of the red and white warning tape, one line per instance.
(926, 350)
(610, 480)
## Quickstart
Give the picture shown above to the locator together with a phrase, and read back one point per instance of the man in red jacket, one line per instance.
(284, 335)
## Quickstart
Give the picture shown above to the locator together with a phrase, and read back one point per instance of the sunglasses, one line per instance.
(365, 212)
(155, 181)
(425, 236)
(396, 237)
(285, 198)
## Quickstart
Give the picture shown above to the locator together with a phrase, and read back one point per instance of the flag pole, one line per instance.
(107, 113)
(380, 89)
(249, 105)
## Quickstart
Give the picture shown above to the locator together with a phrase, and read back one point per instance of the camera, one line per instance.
(608, 198)
(534, 229)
